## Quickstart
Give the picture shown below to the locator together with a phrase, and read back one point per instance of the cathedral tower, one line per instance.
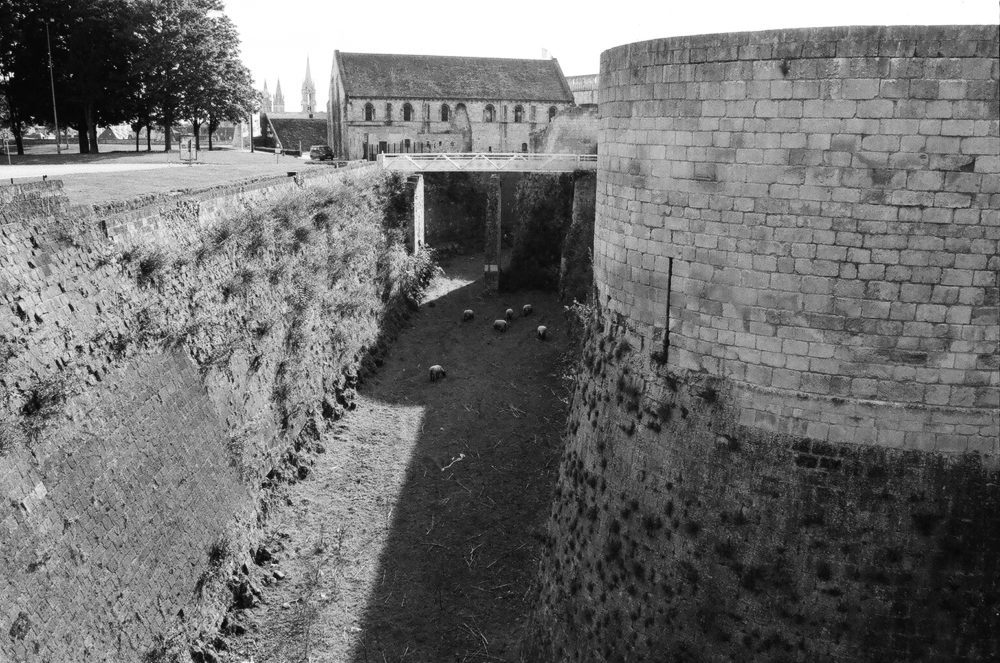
(308, 92)
(265, 100)
(279, 99)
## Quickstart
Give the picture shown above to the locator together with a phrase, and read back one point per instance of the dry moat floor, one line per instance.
(417, 533)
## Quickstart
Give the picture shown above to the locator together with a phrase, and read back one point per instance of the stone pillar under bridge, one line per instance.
(416, 238)
(491, 248)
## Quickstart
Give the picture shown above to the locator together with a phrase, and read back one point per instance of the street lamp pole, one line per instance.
(52, 83)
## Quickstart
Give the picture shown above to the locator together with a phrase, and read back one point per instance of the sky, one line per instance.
(278, 36)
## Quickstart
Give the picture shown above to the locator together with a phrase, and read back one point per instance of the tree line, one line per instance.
(145, 62)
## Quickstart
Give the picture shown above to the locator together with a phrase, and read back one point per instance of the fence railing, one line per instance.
(486, 161)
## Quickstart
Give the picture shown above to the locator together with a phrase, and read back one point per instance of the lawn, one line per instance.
(88, 184)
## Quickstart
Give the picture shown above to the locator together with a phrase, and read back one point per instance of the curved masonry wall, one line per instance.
(824, 208)
(806, 467)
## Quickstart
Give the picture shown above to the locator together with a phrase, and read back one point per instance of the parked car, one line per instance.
(321, 153)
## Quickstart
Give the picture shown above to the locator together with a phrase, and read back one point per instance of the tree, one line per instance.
(220, 87)
(91, 49)
(22, 64)
(233, 99)
(141, 61)
(190, 47)
(98, 48)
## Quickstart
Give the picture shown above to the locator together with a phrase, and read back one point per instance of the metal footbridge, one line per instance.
(495, 162)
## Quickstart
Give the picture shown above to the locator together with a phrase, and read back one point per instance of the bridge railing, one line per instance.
(487, 161)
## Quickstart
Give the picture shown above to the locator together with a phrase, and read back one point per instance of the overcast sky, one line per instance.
(277, 35)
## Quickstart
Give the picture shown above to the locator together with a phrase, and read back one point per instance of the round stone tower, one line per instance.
(785, 442)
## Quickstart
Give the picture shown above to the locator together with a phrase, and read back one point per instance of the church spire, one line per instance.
(279, 99)
(265, 100)
(308, 92)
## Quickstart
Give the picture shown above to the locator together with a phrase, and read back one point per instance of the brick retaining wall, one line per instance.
(134, 431)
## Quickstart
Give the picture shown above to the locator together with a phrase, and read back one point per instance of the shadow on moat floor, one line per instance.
(429, 503)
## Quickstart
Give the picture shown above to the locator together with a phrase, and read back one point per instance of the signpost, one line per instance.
(187, 152)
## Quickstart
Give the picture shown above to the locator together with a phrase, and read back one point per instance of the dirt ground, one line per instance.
(417, 533)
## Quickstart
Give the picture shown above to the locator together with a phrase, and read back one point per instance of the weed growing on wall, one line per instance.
(292, 293)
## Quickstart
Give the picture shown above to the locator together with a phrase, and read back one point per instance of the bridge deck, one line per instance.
(513, 162)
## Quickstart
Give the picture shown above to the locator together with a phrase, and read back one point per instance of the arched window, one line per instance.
(444, 112)
(460, 108)
(388, 112)
(518, 113)
(552, 112)
(407, 112)
(369, 112)
(524, 147)
(489, 113)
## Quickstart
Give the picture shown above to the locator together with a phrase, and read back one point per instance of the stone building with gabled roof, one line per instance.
(428, 103)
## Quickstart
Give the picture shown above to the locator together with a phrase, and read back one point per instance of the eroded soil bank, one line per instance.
(416, 534)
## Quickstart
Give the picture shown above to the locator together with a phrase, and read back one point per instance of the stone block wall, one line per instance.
(573, 131)
(679, 534)
(813, 213)
(585, 88)
(428, 133)
(783, 440)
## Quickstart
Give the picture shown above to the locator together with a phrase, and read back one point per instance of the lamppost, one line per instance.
(52, 82)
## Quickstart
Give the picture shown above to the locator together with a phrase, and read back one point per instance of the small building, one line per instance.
(292, 131)
(428, 103)
(584, 88)
(115, 132)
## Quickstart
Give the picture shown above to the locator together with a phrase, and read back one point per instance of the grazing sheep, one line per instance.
(437, 372)
(509, 314)
(500, 325)
(526, 310)
(542, 332)
(467, 315)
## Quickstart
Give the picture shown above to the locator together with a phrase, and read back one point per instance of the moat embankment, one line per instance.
(157, 359)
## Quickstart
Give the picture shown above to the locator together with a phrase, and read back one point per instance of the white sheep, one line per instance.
(542, 332)
(526, 310)
(437, 372)
(509, 314)
(467, 315)
(500, 325)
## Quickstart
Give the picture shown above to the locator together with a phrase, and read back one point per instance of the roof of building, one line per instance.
(292, 132)
(445, 77)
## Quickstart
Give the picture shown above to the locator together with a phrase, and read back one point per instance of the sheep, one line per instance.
(526, 310)
(542, 332)
(467, 315)
(500, 325)
(437, 372)
(509, 314)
